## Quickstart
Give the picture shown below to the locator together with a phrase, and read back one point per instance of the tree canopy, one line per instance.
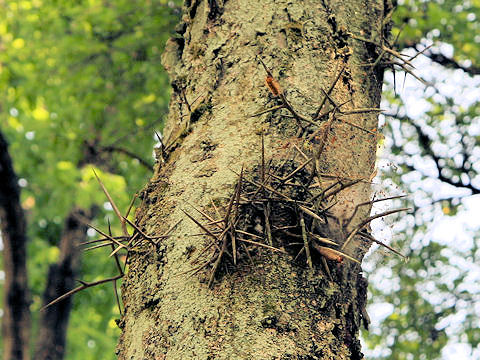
(82, 87)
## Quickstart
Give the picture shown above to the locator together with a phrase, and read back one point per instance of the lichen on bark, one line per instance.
(275, 308)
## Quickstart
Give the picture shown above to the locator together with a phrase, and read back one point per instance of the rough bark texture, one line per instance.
(271, 307)
(16, 317)
(52, 332)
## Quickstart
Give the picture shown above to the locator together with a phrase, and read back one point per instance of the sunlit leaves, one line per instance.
(78, 78)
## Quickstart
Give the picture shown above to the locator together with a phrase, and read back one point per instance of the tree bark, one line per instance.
(61, 278)
(16, 317)
(263, 304)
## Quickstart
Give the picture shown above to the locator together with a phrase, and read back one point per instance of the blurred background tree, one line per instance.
(81, 86)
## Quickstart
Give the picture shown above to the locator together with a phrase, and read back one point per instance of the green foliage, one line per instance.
(433, 296)
(450, 21)
(81, 86)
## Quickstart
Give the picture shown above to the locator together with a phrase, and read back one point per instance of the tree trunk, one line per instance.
(16, 318)
(250, 301)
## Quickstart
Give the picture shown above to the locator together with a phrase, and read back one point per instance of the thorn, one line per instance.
(305, 242)
(372, 239)
(115, 208)
(333, 254)
(263, 245)
(367, 220)
(80, 288)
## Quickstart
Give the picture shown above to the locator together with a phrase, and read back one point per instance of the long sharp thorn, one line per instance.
(209, 218)
(305, 242)
(366, 221)
(311, 213)
(372, 239)
(217, 263)
(114, 206)
(322, 250)
(117, 260)
(262, 245)
(232, 199)
(323, 239)
(107, 236)
(131, 205)
(266, 211)
(80, 288)
(200, 225)
(278, 107)
(265, 67)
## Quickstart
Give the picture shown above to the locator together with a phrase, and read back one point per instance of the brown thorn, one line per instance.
(357, 126)
(119, 238)
(209, 218)
(117, 260)
(323, 239)
(167, 234)
(131, 239)
(305, 242)
(248, 254)
(216, 211)
(299, 253)
(80, 288)
(131, 204)
(300, 152)
(332, 86)
(249, 234)
(282, 106)
(300, 167)
(367, 220)
(360, 111)
(99, 246)
(333, 254)
(327, 268)
(114, 206)
(420, 52)
(342, 187)
(117, 297)
(267, 70)
(311, 213)
(108, 237)
(203, 228)
(372, 239)
(217, 263)
(263, 245)
(370, 203)
(266, 187)
(266, 215)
